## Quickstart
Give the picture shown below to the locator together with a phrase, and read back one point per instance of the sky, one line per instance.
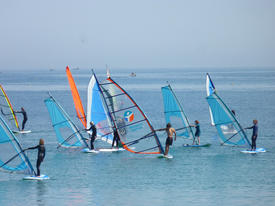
(127, 34)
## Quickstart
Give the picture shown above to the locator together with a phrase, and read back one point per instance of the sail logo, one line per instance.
(129, 116)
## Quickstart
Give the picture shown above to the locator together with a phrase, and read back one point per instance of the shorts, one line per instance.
(169, 141)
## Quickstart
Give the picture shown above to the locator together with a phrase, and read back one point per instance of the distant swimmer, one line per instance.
(115, 139)
(25, 117)
(169, 140)
(254, 134)
(93, 135)
(197, 133)
(40, 155)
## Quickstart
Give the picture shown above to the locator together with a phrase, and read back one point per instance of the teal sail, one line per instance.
(229, 129)
(174, 113)
(12, 156)
(67, 133)
(97, 112)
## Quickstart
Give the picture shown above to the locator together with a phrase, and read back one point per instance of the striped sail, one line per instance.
(229, 129)
(77, 101)
(136, 133)
(7, 110)
(67, 133)
(174, 113)
(12, 156)
(96, 111)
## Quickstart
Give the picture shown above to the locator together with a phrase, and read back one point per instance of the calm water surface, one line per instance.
(196, 176)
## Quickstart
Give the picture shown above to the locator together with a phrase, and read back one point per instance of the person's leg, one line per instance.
(38, 162)
(92, 142)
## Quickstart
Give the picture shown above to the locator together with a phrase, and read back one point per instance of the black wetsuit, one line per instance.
(93, 136)
(25, 118)
(254, 136)
(198, 130)
(40, 156)
(116, 138)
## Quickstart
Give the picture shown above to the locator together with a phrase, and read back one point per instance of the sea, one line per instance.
(216, 175)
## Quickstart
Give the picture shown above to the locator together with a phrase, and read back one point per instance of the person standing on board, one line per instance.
(25, 117)
(93, 135)
(40, 155)
(197, 133)
(254, 134)
(169, 140)
(115, 138)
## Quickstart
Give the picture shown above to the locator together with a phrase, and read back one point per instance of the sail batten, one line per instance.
(67, 133)
(229, 129)
(129, 120)
(76, 98)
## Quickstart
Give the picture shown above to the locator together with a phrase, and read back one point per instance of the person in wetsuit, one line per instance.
(93, 135)
(40, 155)
(169, 140)
(25, 117)
(115, 138)
(254, 134)
(197, 133)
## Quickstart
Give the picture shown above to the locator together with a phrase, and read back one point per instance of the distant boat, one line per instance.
(133, 74)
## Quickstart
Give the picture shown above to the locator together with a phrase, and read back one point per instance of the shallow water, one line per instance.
(217, 175)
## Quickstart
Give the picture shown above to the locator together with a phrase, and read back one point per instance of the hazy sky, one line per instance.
(36, 34)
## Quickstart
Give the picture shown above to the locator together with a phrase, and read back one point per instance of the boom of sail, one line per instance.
(229, 129)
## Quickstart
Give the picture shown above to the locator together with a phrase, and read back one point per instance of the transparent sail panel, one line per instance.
(133, 126)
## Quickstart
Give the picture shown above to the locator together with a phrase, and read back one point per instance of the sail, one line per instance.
(7, 110)
(174, 113)
(67, 133)
(97, 113)
(77, 101)
(229, 129)
(12, 156)
(136, 133)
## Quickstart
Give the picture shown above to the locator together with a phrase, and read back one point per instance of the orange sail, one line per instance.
(77, 101)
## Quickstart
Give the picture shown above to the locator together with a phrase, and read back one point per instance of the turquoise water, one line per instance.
(217, 175)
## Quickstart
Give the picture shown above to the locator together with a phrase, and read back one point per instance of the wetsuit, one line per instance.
(254, 136)
(25, 118)
(198, 130)
(93, 136)
(116, 138)
(40, 156)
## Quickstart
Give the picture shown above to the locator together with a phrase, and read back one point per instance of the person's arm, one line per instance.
(44, 153)
(88, 129)
(249, 127)
(175, 134)
(35, 147)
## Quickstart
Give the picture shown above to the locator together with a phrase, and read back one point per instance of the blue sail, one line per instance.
(67, 133)
(174, 113)
(12, 156)
(229, 129)
(97, 113)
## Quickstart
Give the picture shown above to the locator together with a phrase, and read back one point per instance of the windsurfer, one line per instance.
(93, 135)
(25, 117)
(116, 138)
(40, 155)
(254, 134)
(197, 133)
(169, 140)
